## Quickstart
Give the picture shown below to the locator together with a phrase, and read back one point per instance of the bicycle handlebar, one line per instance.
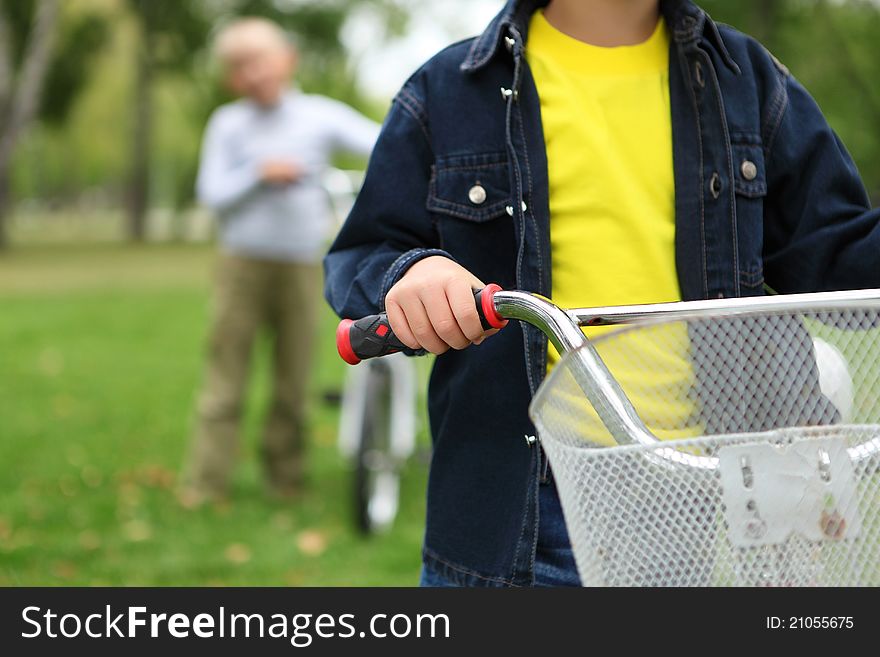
(372, 336)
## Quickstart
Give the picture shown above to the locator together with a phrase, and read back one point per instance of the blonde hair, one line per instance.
(244, 33)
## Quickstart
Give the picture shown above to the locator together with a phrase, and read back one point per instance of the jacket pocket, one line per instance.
(473, 187)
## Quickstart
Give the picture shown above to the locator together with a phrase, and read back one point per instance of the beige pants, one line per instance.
(251, 295)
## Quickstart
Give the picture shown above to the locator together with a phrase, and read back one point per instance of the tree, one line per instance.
(45, 61)
(172, 33)
(22, 75)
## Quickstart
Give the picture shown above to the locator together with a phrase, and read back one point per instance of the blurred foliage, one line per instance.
(177, 29)
(83, 154)
(81, 39)
(19, 13)
(83, 33)
(833, 49)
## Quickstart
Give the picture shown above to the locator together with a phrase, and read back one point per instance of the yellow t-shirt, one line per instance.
(608, 134)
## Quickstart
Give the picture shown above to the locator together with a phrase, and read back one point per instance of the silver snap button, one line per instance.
(477, 194)
(749, 170)
(510, 42)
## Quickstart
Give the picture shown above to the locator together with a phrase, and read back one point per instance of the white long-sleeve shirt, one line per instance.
(279, 222)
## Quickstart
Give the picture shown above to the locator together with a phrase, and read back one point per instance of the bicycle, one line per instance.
(378, 418)
(377, 434)
(758, 481)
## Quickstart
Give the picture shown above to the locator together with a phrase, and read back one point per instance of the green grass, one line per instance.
(100, 359)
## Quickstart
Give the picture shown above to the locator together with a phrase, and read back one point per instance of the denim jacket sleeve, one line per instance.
(389, 228)
(819, 232)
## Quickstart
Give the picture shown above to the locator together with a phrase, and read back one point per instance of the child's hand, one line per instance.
(280, 172)
(432, 306)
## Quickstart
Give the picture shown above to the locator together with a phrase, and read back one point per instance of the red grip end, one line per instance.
(487, 300)
(343, 342)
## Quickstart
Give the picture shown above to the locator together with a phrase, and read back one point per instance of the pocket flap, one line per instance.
(750, 177)
(470, 187)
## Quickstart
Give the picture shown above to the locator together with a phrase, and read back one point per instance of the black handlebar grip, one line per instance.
(368, 337)
(372, 337)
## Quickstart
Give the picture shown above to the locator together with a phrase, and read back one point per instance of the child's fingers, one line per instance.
(397, 320)
(423, 330)
(432, 306)
(461, 301)
(487, 334)
(444, 321)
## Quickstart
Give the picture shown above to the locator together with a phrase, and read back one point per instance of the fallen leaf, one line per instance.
(31, 488)
(157, 476)
(137, 531)
(237, 553)
(21, 538)
(36, 512)
(293, 578)
(130, 494)
(67, 486)
(89, 540)
(64, 569)
(311, 542)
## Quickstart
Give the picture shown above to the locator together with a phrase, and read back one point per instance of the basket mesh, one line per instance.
(804, 513)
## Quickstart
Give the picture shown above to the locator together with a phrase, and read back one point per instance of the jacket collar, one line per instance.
(688, 24)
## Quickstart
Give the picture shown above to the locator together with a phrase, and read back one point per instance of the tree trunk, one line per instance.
(20, 92)
(5, 203)
(139, 183)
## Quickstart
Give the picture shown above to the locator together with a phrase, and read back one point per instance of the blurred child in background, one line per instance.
(260, 171)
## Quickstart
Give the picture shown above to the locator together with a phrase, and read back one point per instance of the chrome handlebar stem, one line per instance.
(563, 329)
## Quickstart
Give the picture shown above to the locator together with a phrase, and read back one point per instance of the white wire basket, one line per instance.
(768, 473)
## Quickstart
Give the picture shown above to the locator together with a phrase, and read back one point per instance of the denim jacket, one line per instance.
(765, 195)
